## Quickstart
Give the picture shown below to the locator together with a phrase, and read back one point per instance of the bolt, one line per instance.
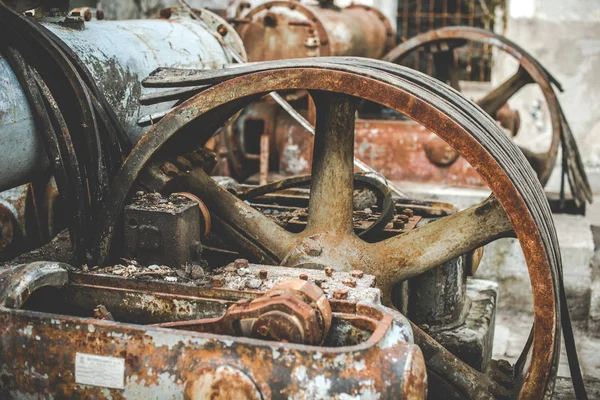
(340, 294)
(357, 273)
(240, 263)
(262, 274)
(99, 15)
(169, 169)
(398, 224)
(408, 212)
(222, 29)
(304, 277)
(349, 282)
(403, 218)
(329, 271)
(263, 330)
(218, 281)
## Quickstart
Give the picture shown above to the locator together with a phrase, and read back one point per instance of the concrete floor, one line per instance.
(512, 330)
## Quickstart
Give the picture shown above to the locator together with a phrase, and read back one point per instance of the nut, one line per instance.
(357, 273)
(304, 277)
(408, 212)
(340, 294)
(329, 271)
(349, 282)
(222, 30)
(262, 274)
(398, 224)
(241, 263)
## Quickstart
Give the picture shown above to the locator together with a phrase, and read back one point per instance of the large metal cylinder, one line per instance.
(119, 54)
(288, 29)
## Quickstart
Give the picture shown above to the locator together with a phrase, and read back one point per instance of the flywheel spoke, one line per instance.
(440, 241)
(330, 205)
(256, 227)
(494, 100)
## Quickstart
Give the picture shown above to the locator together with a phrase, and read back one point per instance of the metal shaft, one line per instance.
(287, 106)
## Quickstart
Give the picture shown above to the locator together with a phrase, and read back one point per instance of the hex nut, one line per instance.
(357, 273)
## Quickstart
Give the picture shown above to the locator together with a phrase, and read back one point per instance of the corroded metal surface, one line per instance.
(288, 29)
(163, 231)
(474, 135)
(530, 71)
(117, 69)
(379, 362)
(294, 311)
(401, 150)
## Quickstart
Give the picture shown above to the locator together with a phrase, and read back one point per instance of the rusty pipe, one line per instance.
(288, 29)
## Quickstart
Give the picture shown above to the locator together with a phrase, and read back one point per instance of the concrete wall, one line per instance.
(565, 37)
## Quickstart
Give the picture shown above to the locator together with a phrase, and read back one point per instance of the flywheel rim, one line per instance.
(424, 103)
(539, 75)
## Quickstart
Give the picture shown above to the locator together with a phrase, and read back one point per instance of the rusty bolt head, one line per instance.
(349, 282)
(99, 15)
(357, 273)
(403, 218)
(240, 263)
(222, 30)
(218, 281)
(398, 224)
(304, 277)
(340, 294)
(329, 271)
(262, 274)
(408, 212)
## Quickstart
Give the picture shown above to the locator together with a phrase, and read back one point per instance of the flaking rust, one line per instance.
(167, 362)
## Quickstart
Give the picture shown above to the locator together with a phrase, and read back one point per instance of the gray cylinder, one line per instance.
(119, 54)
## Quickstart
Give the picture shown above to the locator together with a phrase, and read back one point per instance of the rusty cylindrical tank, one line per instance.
(119, 54)
(289, 29)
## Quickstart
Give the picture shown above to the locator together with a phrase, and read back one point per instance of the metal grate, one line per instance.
(417, 16)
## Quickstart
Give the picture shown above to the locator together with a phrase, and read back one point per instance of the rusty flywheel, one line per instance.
(442, 43)
(337, 85)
